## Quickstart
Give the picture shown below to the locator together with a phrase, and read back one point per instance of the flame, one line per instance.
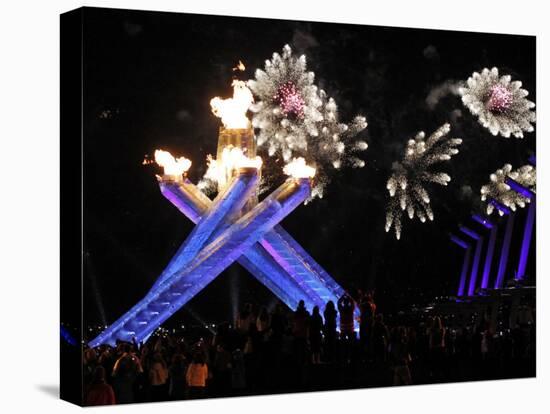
(298, 168)
(232, 111)
(240, 66)
(232, 159)
(172, 166)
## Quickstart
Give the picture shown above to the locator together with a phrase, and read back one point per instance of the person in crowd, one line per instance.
(245, 319)
(158, 378)
(329, 329)
(420, 349)
(91, 361)
(222, 370)
(263, 323)
(367, 309)
(125, 372)
(346, 307)
(436, 342)
(238, 373)
(300, 330)
(99, 392)
(279, 323)
(196, 376)
(315, 335)
(380, 337)
(176, 372)
(400, 357)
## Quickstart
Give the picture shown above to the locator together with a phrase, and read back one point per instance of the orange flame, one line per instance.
(298, 168)
(171, 165)
(240, 66)
(232, 159)
(232, 111)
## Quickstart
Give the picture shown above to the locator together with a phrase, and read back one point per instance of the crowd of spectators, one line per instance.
(272, 351)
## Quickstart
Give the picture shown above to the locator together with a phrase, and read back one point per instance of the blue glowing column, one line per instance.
(485, 222)
(529, 224)
(526, 242)
(175, 291)
(477, 256)
(489, 258)
(223, 251)
(316, 286)
(505, 250)
(465, 263)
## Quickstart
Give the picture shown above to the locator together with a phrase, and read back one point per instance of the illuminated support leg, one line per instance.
(488, 224)
(529, 222)
(505, 251)
(177, 290)
(489, 258)
(193, 203)
(316, 284)
(526, 242)
(465, 263)
(477, 256)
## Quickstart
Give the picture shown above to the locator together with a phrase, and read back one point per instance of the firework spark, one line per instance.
(499, 103)
(498, 190)
(406, 184)
(296, 119)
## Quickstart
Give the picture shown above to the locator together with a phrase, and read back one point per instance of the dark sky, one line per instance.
(149, 78)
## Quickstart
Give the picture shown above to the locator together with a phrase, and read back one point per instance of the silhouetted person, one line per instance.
(177, 377)
(278, 323)
(315, 335)
(300, 329)
(380, 338)
(367, 308)
(125, 372)
(99, 392)
(196, 376)
(238, 373)
(330, 315)
(222, 370)
(400, 357)
(436, 343)
(346, 308)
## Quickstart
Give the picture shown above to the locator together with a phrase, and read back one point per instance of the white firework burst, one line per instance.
(499, 103)
(406, 184)
(296, 119)
(498, 190)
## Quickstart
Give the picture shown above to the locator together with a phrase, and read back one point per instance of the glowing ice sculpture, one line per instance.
(215, 256)
(278, 259)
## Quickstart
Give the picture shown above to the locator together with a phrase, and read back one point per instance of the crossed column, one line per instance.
(221, 236)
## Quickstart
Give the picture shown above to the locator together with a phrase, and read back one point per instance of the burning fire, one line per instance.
(240, 66)
(298, 168)
(171, 165)
(232, 159)
(232, 111)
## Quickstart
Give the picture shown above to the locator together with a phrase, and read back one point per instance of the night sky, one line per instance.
(149, 78)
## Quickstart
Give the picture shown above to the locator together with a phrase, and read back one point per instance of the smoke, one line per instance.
(437, 93)
(465, 192)
(431, 53)
(183, 115)
(303, 40)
